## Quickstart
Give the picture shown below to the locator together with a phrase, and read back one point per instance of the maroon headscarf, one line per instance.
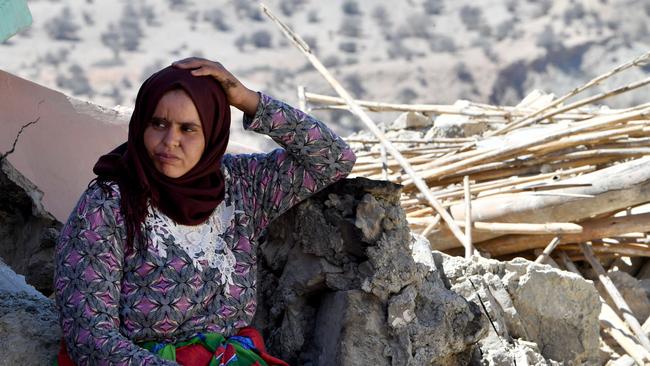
(192, 197)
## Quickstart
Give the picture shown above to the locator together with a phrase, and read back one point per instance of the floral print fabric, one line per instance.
(110, 299)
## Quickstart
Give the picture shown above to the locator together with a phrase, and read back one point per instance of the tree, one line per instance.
(217, 19)
(111, 39)
(77, 83)
(261, 39)
(471, 16)
(130, 29)
(63, 27)
(433, 7)
(350, 27)
(351, 7)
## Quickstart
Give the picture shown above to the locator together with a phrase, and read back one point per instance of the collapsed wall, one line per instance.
(343, 281)
(539, 315)
(28, 232)
(29, 329)
(339, 286)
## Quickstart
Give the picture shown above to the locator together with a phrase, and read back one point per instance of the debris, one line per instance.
(29, 323)
(362, 299)
(555, 310)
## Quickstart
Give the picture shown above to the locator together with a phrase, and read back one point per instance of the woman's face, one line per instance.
(174, 137)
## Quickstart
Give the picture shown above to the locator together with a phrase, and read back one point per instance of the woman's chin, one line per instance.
(169, 171)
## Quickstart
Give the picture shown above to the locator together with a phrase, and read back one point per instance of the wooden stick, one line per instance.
(526, 228)
(630, 360)
(568, 263)
(509, 151)
(508, 184)
(582, 139)
(432, 225)
(514, 228)
(354, 107)
(613, 325)
(591, 229)
(616, 296)
(589, 100)
(423, 108)
(611, 322)
(384, 162)
(547, 260)
(548, 250)
(469, 248)
(302, 101)
(631, 250)
(439, 140)
(503, 112)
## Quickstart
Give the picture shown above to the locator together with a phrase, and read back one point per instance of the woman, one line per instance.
(157, 262)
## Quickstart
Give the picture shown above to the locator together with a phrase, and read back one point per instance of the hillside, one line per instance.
(431, 51)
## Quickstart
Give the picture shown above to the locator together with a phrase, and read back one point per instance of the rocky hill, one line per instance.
(432, 51)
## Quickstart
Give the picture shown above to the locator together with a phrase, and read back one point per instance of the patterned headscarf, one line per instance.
(191, 198)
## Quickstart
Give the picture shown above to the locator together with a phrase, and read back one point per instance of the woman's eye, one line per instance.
(190, 129)
(158, 123)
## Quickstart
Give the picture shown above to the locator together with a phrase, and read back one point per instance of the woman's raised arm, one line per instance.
(311, 158)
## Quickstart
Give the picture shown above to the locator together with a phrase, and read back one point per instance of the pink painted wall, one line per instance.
(58, 152)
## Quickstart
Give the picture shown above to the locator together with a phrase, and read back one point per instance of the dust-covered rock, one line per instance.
(343, 287)
(28, 232)
(556, 310)
(29, 329)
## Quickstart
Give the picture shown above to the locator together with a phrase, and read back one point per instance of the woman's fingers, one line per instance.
(238, 95)
(192, 63)
(208, 71)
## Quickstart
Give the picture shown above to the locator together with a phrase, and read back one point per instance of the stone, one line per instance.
(369, 217)
(411, 120)
(554, 309)
(455, 125)
(29, 328)
(338, 293)
(27, 231)
(433, 325)
(351, 330)
(421, 251)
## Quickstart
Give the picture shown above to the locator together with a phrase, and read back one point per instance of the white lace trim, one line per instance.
(203, 243)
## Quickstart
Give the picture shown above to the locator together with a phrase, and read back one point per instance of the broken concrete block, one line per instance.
(556, 310)
(376, 304)
(27, 231)
(351, 330)
(29, 329)
(369, 217)
(411, 120)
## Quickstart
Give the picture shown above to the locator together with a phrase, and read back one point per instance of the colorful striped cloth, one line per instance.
(210, 349)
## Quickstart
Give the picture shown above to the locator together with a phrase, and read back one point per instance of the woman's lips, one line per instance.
(167, 158)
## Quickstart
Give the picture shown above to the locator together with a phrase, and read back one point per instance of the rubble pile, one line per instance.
(340, 286)
(552, 198)
(567, 184)
(343, 281)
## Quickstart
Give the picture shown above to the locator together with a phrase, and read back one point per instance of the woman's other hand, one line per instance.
(238, 95)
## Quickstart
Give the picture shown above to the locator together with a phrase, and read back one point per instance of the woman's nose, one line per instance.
(172, 137)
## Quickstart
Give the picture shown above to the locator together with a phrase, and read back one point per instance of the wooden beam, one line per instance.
(616, 296)
(591, 230)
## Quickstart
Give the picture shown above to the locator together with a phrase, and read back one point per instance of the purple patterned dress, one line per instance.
(189, 279)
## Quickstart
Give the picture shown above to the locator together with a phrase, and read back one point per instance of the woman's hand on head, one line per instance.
(238, 95)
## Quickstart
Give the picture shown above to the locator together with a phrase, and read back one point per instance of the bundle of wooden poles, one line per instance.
(544, 170)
